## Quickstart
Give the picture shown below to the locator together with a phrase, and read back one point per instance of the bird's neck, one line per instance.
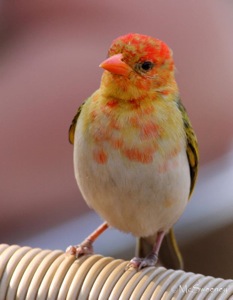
(121, 88)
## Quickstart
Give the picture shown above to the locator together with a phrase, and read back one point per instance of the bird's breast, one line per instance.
(130, 168)
(136, 130)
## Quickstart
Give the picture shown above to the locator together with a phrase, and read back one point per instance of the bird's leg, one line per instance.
(151, 259)
(86, 246)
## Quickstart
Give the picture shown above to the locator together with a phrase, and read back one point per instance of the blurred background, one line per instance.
(49, 57)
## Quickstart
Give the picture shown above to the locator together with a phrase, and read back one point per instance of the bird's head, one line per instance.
(138, 65)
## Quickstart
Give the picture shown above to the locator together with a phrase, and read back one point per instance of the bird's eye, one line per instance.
(147, 65)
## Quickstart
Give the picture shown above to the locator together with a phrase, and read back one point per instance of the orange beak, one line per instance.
(116, 65)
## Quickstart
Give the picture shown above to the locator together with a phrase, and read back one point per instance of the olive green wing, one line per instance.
(191, 146)
(73, 125)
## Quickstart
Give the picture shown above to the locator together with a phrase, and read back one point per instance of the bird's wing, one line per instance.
(191, 146)
(73, 125)
(170, 255)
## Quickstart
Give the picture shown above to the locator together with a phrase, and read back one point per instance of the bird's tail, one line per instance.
(169, 254)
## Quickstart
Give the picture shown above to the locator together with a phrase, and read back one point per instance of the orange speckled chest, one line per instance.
(136, 129)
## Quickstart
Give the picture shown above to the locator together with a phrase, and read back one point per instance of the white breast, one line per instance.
(134, 197)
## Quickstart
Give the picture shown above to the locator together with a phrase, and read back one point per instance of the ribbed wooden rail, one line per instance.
(27, 273)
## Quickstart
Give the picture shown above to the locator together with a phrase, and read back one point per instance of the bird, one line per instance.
(135, 151)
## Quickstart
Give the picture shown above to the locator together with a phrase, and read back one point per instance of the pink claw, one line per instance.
(139, 263)
(84, 248)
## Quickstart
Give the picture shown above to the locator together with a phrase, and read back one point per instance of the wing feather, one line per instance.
(191, 146)
(73, 125)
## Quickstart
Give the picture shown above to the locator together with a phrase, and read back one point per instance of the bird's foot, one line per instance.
(84, 248)
(139, 263)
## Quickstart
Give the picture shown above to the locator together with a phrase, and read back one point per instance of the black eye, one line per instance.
(147, 65)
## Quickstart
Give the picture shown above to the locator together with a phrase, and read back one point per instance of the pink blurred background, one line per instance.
(49, 57)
